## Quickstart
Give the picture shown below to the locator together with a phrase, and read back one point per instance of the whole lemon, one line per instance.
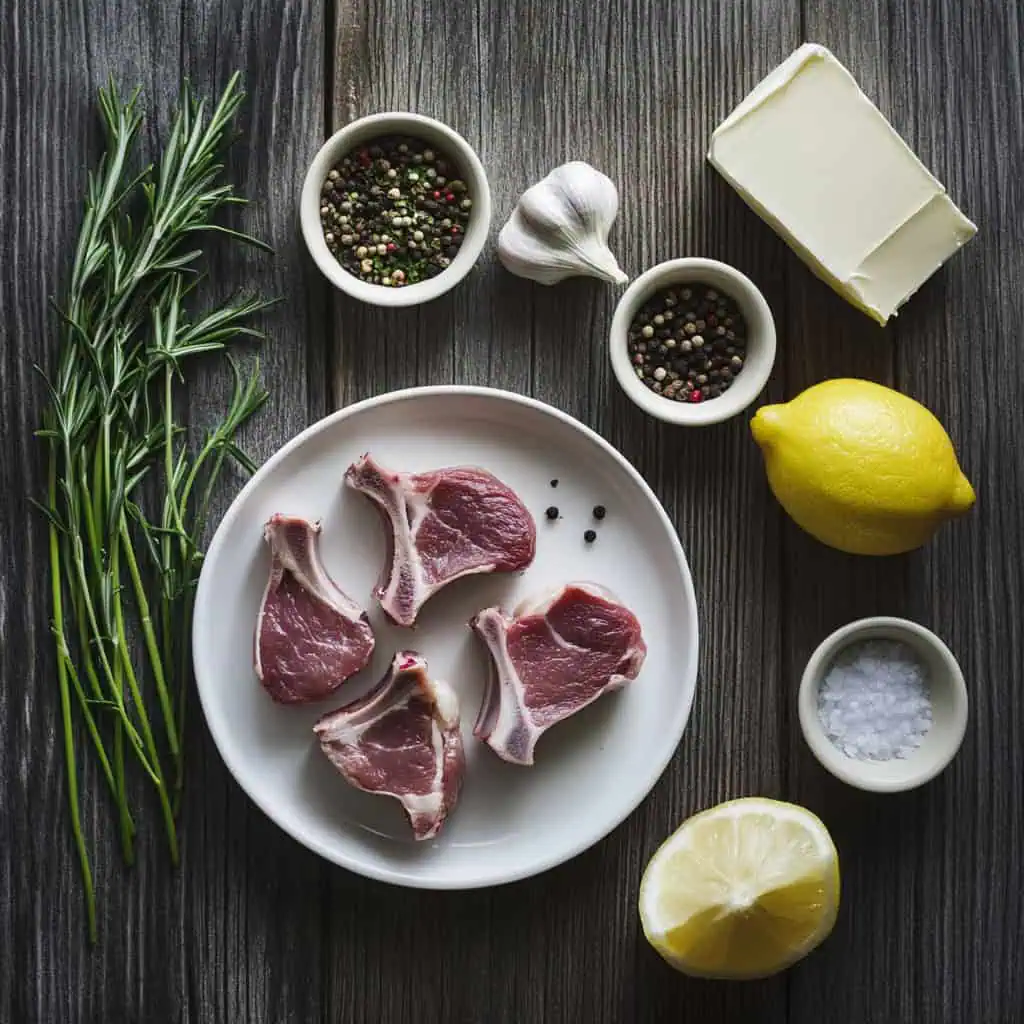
(861, 467)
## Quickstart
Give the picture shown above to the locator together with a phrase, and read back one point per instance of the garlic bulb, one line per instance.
(560, 227)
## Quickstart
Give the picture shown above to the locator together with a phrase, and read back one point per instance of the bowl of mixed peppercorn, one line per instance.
(395, 209)
(692, 341)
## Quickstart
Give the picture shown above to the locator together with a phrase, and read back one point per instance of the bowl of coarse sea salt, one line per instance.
(883, 705)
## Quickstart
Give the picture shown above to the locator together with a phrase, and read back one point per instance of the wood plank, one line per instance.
(617, 85)
(826, 589)
(204, 943)
(255, 928)
(928, 874)
(414, 57)
(965, 60)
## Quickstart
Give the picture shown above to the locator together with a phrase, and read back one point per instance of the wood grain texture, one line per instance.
(932, 905)
(203, 943)
(532, 85)
(255, 928)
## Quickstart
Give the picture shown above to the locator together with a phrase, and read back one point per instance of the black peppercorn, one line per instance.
(693, 356)
(387, 216)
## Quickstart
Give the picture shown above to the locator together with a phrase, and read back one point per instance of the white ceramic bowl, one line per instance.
(760, 354)
(351, 137)
(949, 708)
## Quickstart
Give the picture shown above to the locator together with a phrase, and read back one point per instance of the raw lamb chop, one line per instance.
(310, 636)
(441, 526)
(554, 656)
(401, 740)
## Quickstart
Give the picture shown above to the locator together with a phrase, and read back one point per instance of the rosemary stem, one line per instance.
(109, 423)
(90, 721)
(172, 518)
(84, 651)
(147, 731)
(127, 850)
(153, 649)
(168, 654)
(126, 826)
(184, 646)
(116, 765)
(65, 708)
(108, 671)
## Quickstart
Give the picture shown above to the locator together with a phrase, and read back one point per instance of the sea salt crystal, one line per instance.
(874, 702)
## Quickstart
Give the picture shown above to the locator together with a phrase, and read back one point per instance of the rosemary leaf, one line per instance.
(128, 332)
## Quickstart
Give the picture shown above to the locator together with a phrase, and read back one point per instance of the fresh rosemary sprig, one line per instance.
(128, 494)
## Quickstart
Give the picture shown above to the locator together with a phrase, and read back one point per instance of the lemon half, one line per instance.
(742, 890)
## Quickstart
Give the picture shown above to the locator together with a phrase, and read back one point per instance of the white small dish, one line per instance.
(591, 771)
(949, 708)
(760, 353)
(362, 131)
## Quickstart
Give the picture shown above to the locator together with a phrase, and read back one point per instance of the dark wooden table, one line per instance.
(255, 928)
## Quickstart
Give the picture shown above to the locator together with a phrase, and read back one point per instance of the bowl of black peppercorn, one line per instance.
(395, 209)
(692, 342)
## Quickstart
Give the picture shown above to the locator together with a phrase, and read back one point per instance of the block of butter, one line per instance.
(814, 157)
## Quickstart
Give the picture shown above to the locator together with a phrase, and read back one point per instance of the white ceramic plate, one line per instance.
(591, 772)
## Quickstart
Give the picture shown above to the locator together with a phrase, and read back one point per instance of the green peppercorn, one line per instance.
(380, 218)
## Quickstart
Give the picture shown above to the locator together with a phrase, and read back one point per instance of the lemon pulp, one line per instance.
(742, 890)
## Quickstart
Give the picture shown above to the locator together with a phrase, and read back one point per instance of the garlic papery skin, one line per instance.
(560, 227)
